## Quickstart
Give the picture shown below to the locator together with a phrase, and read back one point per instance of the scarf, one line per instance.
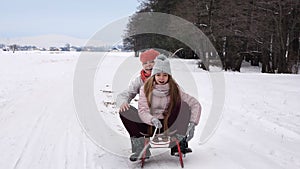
(144, 75)
(161, 90)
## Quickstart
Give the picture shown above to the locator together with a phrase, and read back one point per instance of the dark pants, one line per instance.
(178, 121)
(133, 123)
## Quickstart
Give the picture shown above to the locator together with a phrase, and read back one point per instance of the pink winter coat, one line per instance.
(160, 103)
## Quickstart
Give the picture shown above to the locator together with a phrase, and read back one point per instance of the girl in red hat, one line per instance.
(129, 114)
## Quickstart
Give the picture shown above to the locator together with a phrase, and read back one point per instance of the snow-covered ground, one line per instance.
(39, 128)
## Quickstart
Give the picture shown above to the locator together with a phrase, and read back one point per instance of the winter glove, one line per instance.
(190, 131)
(156, 122)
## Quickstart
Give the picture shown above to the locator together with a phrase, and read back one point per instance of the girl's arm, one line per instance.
(194, 105)
(144, 110)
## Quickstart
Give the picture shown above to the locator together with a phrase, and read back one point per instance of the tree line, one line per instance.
(265, 32)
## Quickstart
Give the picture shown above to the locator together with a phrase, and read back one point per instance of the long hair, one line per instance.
(173, 93)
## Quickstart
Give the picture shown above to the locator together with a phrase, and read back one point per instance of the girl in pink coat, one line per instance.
(164, 105)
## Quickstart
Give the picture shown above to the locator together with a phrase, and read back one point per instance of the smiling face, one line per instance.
(161, 78)
(147, 66)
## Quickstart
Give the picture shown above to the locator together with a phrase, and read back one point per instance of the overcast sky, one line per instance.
(77, 18)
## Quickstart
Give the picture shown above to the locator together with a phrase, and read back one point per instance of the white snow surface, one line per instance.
(259, 127)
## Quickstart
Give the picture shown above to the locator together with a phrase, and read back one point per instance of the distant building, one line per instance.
(115, 49)
(53, 49)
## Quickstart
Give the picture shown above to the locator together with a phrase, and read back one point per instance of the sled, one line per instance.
(160, 141)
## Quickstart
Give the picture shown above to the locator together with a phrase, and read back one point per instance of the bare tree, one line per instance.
(263, 31)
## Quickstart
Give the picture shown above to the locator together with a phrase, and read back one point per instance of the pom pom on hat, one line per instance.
(162, 65)
(148, 55)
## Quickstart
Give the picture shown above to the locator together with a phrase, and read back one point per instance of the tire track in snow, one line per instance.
(33, 134)
(85, 164)
(66, 147)
(75, 147)
(67, 141)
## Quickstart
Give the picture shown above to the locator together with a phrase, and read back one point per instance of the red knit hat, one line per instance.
(148, 55)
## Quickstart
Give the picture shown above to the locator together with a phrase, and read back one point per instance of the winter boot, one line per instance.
(183, 146)
(133, 146)
(137, 148)
(186, 146)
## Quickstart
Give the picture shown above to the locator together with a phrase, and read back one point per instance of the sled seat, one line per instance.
(160, 140)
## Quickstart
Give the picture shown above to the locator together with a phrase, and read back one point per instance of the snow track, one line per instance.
(39, 127)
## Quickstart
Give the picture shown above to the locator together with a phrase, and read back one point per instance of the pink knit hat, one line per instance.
(148, 55)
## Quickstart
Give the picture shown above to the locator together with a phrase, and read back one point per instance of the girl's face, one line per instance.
(147, 66)
(161, 78)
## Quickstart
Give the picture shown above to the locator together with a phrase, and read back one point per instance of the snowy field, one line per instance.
(39, 128)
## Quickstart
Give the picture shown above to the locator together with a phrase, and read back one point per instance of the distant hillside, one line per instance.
(46, 41)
